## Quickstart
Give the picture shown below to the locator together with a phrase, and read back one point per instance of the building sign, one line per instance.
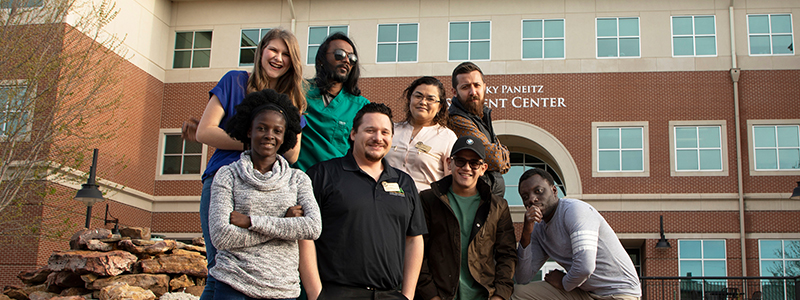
(520, 97)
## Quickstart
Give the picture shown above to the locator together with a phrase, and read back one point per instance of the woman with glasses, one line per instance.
(422, 142)
(277, 66)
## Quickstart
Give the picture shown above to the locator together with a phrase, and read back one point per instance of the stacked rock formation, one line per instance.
(100, 265)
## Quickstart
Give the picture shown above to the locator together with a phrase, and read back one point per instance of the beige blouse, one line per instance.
(424, 156)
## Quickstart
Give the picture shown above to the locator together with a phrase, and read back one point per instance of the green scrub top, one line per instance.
(327, 131)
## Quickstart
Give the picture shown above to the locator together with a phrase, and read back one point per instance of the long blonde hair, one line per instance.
(292, 82)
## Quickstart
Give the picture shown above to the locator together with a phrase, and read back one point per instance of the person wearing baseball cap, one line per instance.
(470, 232)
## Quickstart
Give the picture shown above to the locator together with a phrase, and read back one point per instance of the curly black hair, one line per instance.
(256, 102)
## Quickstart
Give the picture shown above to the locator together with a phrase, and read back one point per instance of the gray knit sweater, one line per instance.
(261, 261)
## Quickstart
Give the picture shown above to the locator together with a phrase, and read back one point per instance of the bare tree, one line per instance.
(59, 97)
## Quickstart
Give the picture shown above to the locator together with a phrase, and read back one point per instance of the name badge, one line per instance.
(422, 147)
(391, 187)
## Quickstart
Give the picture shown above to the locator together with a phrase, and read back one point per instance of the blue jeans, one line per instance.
(211, 251)
(226, 292)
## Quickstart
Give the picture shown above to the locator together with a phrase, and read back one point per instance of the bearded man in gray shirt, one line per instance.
(578, 238)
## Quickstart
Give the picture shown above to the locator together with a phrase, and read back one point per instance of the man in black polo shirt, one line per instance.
(372, 220)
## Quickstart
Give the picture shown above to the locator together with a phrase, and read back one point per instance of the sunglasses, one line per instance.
(474, 163)
(340, 54)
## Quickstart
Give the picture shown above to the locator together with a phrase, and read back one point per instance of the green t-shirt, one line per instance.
(465, 209)
(327, 132)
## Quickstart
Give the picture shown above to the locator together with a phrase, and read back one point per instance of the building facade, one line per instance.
(681, 109)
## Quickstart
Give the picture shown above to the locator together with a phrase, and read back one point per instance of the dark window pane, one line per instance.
(183, 40)
(192, 147)
(172, 165)
(191, 164)
(202, 39)
(201, 59)
(247, 56)
(173, 144)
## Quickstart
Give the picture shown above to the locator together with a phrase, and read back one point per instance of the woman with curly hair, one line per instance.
(277, 66)
(422, 142)
(254, 216)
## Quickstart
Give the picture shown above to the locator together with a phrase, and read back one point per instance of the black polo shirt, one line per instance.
(364, 223)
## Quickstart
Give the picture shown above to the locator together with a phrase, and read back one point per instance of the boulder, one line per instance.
(193, 265)
(119, 291)
(35, 288)
(88, 278)
(194, 248)
(99, 263)
(64, 279)
(34, 277)
(75, 291)
(158, 283)
(186, 252)
(41, 295)
(180, 282)
(178, 296)
(14, 292)
(199, 241)
(135, 232)
(4, 297)
(159, 247)
(80, 238)
(97, 245)
(76, 297)
(196, 290)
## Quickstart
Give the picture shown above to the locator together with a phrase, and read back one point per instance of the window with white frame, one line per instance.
(192, 49)
(618, 37)
(698, 258)
(249, 44)
(317, 35)
(698, 148)
(542, 39)
(20, 3)
(776, 147)
(16, 111)
(770, 34)
(694, 36)
(469, 40)
(397, 42)
(778, 258)
(620, 149)
(179, 157)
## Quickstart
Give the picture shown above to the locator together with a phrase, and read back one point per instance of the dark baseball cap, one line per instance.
(471, 143)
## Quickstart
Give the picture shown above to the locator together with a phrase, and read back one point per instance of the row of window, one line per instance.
(768, 34)
(708, 258)
(697, 149)
(620, 150)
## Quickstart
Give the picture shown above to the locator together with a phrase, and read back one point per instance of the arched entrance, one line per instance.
(532, 146)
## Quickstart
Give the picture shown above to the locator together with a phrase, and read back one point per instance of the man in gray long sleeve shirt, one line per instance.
(578, 238)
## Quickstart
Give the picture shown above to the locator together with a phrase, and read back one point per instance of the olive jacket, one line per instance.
(492, 248)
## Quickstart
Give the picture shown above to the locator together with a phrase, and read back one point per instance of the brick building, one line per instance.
(681, 109)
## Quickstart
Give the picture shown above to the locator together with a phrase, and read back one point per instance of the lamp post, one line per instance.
(90, 193)
(662, 242)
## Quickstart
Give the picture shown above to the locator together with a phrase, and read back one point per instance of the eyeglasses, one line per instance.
(340, 54)
(429, 99)
(474, 163)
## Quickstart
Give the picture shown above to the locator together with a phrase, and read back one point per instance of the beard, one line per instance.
(475, 108)
(376, 156)
(334, 75)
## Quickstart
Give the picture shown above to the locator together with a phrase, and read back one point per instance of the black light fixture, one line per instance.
(662, 242)
(796, 193)
(113, 220)
(90, 193)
